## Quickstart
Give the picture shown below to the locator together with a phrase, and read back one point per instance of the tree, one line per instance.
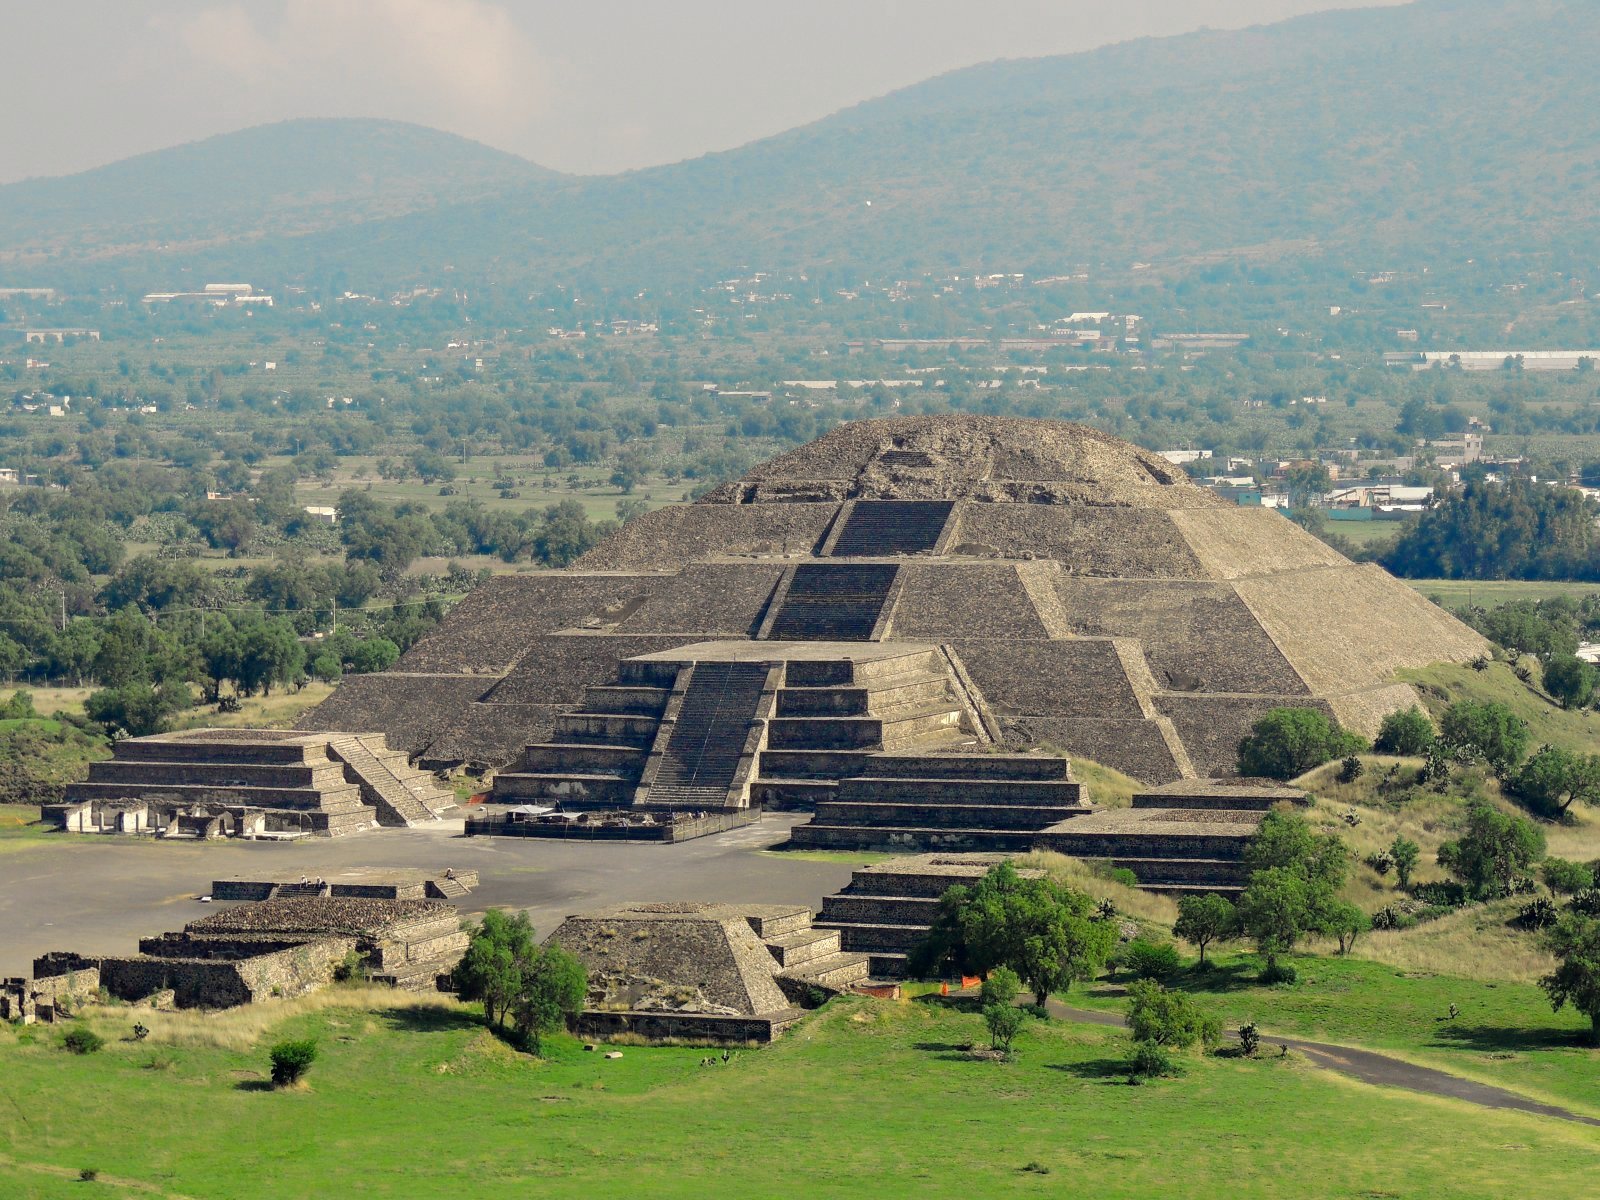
(1406, 855)
(1286, 840)
(1287, 742)
(1343, 921)
(1168, 1019)
(1275, 912)
(291, 1060)
(1407, 731)
(554, 985)
(998, 999)
(1562, 876)
(1491, 730)
(1495, 851)
(136, 710)
(1570, 681)
(1575, 941)
(1553, 780)
(492, 968)
(327, 668)
(1042, 930)
(1203, 920)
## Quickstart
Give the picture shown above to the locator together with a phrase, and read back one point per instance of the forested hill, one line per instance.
(1422, 135)
(289, 178)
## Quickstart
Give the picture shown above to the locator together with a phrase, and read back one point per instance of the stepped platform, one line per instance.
(886, 910)
(1168, 849)
(372, 883)
(707, 973)
(291, 945)
(1235, 794)
(206, 783)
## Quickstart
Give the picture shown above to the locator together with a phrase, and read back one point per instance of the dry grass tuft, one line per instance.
(243, 1028)
(1475, 943)
(1106, 787)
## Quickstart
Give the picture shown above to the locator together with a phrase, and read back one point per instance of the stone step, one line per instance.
(606, 729)
(155, 772)
(912, 689)
(626, 700)
(943, 815)
(791, 795)
(868, 909)
(835, 971)
(571, 790)
(885, 964)
(415, 976)
(343, 798)
(775, 922)
(1018, 767)
(1221, 871)
(1229, 891)
(885, 527)
(812, 763)
(647, 673)
(910, 840)
(868, 938)
(923, 726)
(803, 945)
(1136, 845)
(582, 758)
(825, 733)
(1048, 793)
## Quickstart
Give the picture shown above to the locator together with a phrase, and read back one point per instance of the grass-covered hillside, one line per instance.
(410, 1098)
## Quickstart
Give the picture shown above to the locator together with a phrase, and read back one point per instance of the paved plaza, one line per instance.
(100, 894)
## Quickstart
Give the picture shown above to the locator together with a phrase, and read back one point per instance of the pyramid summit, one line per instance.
(918, 584)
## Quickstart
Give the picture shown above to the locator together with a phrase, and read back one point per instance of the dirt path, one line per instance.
(1378, 1069)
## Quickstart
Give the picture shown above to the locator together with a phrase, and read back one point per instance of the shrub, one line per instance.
(1151, 1061)
(352, 968)
(1586, 901)
(1351, 769)
(1553, 780)
(1537, 914)
(1151, 960)
(88, 1175)
(1441, 892)
(1249, 1038)
(1382, 862)
(1278, 972)
(1165, 1018)
(1004, 1022)
(1386, 918)
(1408, 732)
(291, 1060)
(1287, 742)
(1566, 878)
(1123, 876)
(82, 1040)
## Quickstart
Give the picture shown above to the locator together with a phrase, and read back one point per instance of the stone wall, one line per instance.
(669, 537)
(937, 602)
(223, 983)
(696, 1029)
(1117, 542)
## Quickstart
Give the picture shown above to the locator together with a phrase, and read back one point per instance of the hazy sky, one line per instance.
(581, 85)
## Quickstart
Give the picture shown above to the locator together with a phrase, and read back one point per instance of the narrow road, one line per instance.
(1377, 1069)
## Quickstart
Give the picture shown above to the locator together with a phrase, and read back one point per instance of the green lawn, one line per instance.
(1456, 593)
(1505, 1033)
(866, 1097)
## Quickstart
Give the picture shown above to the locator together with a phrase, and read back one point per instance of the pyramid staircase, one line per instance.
(401, 794)
(891, 527)
(707, 738)
(807, 956)
(834, 716)
(832, 602)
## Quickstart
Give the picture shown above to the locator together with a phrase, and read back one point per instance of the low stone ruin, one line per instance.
(60, 983)
(203, 784)
(280, 948)
(710, 973)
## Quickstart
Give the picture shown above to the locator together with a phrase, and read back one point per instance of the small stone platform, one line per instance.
(202, 784)
(372, 883)
(886, 910)
(711, 973)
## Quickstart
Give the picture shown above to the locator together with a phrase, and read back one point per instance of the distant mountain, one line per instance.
(286, 179)
(1438, 131)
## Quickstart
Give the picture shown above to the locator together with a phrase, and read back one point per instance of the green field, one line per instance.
(865, 1097)
(1456, 593)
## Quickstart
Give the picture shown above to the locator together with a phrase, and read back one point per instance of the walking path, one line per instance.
(1378, 1069)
